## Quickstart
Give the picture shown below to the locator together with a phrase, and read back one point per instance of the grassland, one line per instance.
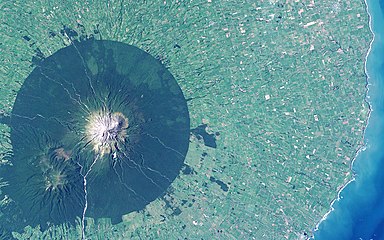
(279, 86)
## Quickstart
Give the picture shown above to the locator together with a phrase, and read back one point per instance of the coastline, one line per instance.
(363, 146)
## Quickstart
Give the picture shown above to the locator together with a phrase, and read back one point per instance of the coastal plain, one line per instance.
(276, 96)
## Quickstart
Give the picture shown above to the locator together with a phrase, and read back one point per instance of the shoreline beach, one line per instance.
(365, 141)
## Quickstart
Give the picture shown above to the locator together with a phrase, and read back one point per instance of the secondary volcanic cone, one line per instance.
(99, 129)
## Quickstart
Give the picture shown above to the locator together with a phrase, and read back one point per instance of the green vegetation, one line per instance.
(280, 87)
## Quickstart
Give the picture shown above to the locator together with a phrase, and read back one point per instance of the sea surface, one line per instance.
(358, 213)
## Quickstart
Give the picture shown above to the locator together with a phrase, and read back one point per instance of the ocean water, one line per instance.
(359, 211)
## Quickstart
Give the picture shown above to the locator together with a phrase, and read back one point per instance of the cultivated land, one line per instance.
(276, 99)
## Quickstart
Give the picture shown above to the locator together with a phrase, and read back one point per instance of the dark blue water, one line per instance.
(359, 211)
